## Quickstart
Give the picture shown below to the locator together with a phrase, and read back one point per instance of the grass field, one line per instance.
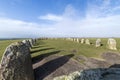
(67, 47)
(64, 47)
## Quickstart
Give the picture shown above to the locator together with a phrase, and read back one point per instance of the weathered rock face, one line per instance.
(82, 41)
(112, 44)
(98, 43)
(27, 43)
(32, 41)
(93, 74)
(16, 63)
(87, 41)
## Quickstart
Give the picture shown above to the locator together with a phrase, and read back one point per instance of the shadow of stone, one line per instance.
(34, 47)
(101, 45)
(115, 66)
(46, 69)
(40, 50)
(42, 56)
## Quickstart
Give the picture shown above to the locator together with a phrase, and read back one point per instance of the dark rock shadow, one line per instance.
(34, 47)
(101, 44)
(42, 56)
(46, 69)
(115, 66)
(38, 50)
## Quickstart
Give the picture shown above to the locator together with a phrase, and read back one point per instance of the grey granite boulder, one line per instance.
(16, 63)
(32, 41)
(27, 43)
(93, 74)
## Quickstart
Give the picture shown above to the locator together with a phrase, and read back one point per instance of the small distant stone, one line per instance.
(98, 43)
(87, 41)
(111, 44)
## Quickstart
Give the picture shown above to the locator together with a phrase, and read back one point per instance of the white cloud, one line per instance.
(97, 23)
(68, 13)
(51, 17)
(16, 28)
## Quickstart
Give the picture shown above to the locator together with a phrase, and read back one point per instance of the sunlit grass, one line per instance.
(65, 47)
(68, 47)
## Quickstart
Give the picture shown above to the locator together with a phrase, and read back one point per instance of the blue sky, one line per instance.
(59, 18)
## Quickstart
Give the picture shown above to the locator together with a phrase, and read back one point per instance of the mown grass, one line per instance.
(68, 47)
(64, 47)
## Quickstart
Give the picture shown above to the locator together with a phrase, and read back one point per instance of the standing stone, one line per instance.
(31, 42)
(111, 44)
(27, 43)
(77, 40)
(74, 39)
(87, 41)
(98, 43)
(82, 41)
(16, 63)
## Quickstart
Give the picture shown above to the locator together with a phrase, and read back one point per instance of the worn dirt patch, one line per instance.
(55, 65)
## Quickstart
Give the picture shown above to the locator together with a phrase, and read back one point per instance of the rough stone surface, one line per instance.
(16, 63)
(87, 41)
(27, 43)
(93, 74)
(32, 41)
(111, 44)
(98, 43)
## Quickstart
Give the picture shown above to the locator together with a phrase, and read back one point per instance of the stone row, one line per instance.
(16, 61)
(111, 43)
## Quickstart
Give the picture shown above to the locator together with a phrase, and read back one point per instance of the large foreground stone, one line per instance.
(27, 43)
(16, 63)
(93, 74)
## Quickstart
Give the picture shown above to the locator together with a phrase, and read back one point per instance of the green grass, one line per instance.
(70, 47)
(64, 47)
